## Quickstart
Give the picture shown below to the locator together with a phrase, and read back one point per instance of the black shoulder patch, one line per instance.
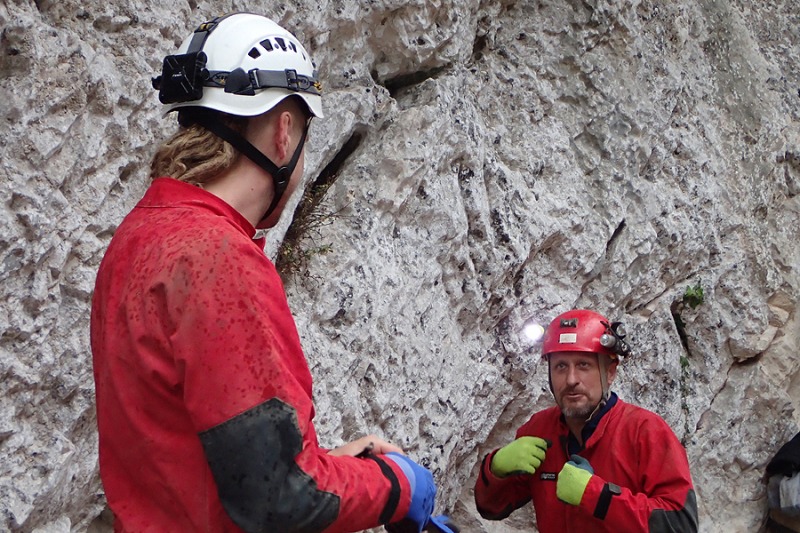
(260, 486)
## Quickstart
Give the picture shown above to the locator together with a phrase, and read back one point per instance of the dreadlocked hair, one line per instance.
(193, 154)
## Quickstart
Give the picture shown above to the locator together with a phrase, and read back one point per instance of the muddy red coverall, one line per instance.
(631, 447)
(203, 392)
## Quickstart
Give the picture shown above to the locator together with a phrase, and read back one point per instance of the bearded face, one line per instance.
(577, 382)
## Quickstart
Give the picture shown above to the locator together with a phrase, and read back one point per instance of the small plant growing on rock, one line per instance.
(293, 255)
(693, 296)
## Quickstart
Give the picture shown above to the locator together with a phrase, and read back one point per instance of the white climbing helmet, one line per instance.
(242, 64)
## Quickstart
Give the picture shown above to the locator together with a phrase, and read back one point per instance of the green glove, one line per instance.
(573, 479)
(523, 456)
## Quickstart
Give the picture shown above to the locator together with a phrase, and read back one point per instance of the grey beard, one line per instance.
(578, 412)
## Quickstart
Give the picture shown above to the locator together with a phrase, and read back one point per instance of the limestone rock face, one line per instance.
(482, 163)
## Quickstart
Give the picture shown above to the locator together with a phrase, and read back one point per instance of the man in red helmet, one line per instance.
(593, 463)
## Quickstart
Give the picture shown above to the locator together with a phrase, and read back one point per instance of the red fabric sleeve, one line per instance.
(496, 497)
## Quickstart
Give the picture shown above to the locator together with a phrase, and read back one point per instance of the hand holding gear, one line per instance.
(523, 456)
(573, 479)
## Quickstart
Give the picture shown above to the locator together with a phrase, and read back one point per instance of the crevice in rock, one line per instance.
(632, 309)
(478, 46)
(675, 310)
(601, 262)
(792, 162)
(687, 374)
(404, 81)
(615, 234)
(331, 170)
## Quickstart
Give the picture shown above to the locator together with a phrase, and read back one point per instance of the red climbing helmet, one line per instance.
(581, 330)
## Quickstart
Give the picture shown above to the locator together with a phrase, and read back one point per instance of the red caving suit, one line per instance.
(204, 400)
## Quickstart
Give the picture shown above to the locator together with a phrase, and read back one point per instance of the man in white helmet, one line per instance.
(204, 396)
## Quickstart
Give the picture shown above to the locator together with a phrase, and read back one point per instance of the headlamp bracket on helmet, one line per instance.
(182, 78)
(614, 338)
(183, 75)
(240, 82)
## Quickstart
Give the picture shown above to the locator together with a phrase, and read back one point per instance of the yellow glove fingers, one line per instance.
(524, 455)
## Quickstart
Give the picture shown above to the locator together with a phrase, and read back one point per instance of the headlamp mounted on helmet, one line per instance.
(183, 75)
(613, 338)
(181, 78)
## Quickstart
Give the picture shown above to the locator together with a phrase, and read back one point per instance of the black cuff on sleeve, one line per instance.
(485, 464)
(604, 501)
(394, 492)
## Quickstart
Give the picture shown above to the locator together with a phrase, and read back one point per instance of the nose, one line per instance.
(572, 375)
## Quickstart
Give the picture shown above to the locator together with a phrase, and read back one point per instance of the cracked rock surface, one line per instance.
(480, 163)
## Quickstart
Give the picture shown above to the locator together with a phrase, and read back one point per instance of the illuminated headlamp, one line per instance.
(533, 331)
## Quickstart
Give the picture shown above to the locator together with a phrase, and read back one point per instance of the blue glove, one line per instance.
(581, 463)
(441, 524)
(423, 495)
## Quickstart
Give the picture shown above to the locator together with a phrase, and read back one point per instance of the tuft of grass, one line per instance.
(693, 296)
(298, 245)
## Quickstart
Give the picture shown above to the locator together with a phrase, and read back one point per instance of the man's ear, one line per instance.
(283, 135)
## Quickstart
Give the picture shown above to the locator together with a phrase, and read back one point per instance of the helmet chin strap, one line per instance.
(602, 365)
(280, 175)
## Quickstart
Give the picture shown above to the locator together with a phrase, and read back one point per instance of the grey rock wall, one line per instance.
(484, 163)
